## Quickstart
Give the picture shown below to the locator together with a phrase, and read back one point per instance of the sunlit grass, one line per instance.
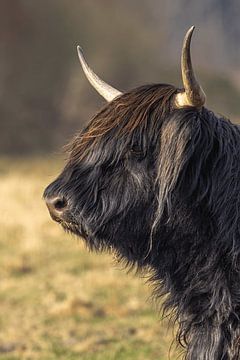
(57, 300)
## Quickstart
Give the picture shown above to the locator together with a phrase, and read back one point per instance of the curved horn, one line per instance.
(107, 91)
(193, 94)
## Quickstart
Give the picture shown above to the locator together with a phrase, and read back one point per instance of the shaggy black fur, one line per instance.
(160, 187)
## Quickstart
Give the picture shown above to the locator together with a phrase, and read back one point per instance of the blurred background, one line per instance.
(44, 96)
(58, 301)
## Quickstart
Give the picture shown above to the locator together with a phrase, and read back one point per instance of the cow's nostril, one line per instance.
(60, 203)
(58, 207)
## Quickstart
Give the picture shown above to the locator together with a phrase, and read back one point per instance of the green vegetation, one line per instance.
(57, 300)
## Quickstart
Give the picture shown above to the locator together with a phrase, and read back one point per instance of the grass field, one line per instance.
(57, 300)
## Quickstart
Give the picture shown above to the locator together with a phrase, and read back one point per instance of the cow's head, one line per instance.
(123, 173)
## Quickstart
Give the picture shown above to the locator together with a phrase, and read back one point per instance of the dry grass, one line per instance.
(57, 300)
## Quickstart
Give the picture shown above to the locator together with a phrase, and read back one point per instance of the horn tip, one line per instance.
(80, 55)
(79, 49)
(190, 30)
(189, 34)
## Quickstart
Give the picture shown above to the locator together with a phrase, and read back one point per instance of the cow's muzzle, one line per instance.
(58, 208)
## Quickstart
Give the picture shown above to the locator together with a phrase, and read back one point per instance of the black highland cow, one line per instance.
(154, 178)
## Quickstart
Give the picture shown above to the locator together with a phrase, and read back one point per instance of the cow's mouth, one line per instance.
(74, 228)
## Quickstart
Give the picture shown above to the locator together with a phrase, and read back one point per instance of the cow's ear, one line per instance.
(176, 148)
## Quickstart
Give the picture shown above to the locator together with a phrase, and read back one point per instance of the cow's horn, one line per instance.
(107, 91)
(193, 95)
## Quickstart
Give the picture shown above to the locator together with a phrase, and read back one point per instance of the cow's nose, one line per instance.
(57, 207)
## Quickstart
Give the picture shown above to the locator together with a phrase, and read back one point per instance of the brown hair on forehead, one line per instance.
(124, 114)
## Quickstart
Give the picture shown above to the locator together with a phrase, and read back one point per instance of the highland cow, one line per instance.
(154, 178)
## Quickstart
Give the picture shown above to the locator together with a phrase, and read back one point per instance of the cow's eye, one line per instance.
(137, 152)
